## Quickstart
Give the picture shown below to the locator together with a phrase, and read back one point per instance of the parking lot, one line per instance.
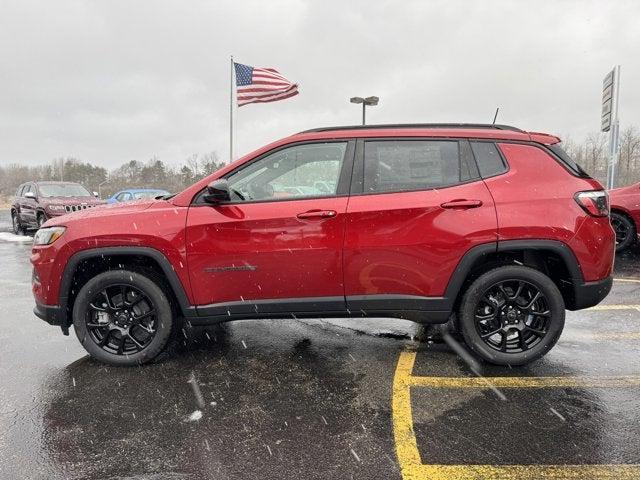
(318, 399)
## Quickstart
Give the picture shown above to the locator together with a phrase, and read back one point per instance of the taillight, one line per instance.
(595, 203)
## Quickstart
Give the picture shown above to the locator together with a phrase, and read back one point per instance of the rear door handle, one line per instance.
(317, 214)
(462, 204)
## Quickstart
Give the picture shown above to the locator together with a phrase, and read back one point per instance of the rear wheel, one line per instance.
(625, 231)
(122, 318)
(512, 315)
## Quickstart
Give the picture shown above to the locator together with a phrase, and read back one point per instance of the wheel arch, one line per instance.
(87, 263)
(552, 257)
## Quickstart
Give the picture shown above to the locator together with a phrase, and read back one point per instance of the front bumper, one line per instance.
(588, 294)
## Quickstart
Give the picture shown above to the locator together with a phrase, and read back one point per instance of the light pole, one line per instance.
(370, 101)
(100, 187)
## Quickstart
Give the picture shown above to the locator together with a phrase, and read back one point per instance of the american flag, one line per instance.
(261, 85)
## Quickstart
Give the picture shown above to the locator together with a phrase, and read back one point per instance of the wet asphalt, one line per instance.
(301, 399)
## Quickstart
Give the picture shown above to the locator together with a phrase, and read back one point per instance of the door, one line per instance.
(417, 206)
(277, 245)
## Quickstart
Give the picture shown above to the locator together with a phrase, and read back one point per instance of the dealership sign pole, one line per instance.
(609, 119)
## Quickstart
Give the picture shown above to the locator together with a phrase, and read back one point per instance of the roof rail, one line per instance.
(416, 125)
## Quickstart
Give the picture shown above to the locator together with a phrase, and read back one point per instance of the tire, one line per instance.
(15, 222)
(96, 316)
(625, 231)
(40, 219)
(529, 326)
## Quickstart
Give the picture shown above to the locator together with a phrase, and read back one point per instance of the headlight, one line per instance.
(46, 236)
(56, 208)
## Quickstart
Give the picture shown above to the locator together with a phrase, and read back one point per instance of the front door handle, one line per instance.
(462, 204)
(317, 214)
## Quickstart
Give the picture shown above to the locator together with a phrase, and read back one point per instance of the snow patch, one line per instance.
(10, 237)
(195, 416)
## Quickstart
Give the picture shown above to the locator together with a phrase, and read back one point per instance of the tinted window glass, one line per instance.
(300, 171)
(568, 161)
(488, 158)
(19, 192)
(392, 166)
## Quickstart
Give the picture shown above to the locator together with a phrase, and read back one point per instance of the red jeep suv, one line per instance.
(490, 226)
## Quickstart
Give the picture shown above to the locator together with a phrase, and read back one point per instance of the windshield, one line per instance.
(63, 190)
(569, 162)
(153, 194)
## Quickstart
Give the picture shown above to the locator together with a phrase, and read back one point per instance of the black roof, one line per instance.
(417, 125)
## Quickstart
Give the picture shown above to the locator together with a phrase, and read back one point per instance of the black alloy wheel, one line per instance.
(123, 317)
(512, 316)
(625, 231)
(121, 320)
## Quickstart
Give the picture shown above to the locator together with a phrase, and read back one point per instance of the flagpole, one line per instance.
(231, 86)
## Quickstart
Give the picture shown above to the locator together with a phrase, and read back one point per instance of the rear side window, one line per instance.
(488, 158)
(406, 165)
(568, 162)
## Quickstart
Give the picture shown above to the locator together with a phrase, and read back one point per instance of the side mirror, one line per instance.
(30, 195)
(96, 194)
(217, 192)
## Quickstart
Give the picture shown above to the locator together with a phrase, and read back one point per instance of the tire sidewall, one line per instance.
(475, 292)
(146, 286)
(41, 219)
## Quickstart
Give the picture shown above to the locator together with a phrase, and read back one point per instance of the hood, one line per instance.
(72, 201)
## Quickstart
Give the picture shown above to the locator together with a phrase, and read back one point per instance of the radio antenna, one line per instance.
(495, 116)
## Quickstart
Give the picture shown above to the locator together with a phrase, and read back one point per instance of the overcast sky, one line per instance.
(110, 81)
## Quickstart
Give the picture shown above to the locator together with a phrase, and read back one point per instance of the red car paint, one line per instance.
(627, 200)
(407, 243)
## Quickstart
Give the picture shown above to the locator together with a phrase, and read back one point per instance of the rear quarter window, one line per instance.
(488, 158)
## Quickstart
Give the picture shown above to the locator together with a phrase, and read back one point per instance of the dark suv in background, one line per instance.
(37, 202)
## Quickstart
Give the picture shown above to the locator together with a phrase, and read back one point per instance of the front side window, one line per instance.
(301, 171)
(124, 196)
(407, 165)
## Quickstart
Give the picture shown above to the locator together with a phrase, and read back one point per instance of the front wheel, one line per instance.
(512, 315)
(40, 219)
(625, 231)
(122, 318)
(15, 222)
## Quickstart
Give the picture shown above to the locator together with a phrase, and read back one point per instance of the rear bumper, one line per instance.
(588, 294)
(52, 314)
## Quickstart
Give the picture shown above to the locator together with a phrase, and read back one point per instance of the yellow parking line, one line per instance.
(525, 472)
(615, 307)
(526, 382)
(411, 466)
(628, 280)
